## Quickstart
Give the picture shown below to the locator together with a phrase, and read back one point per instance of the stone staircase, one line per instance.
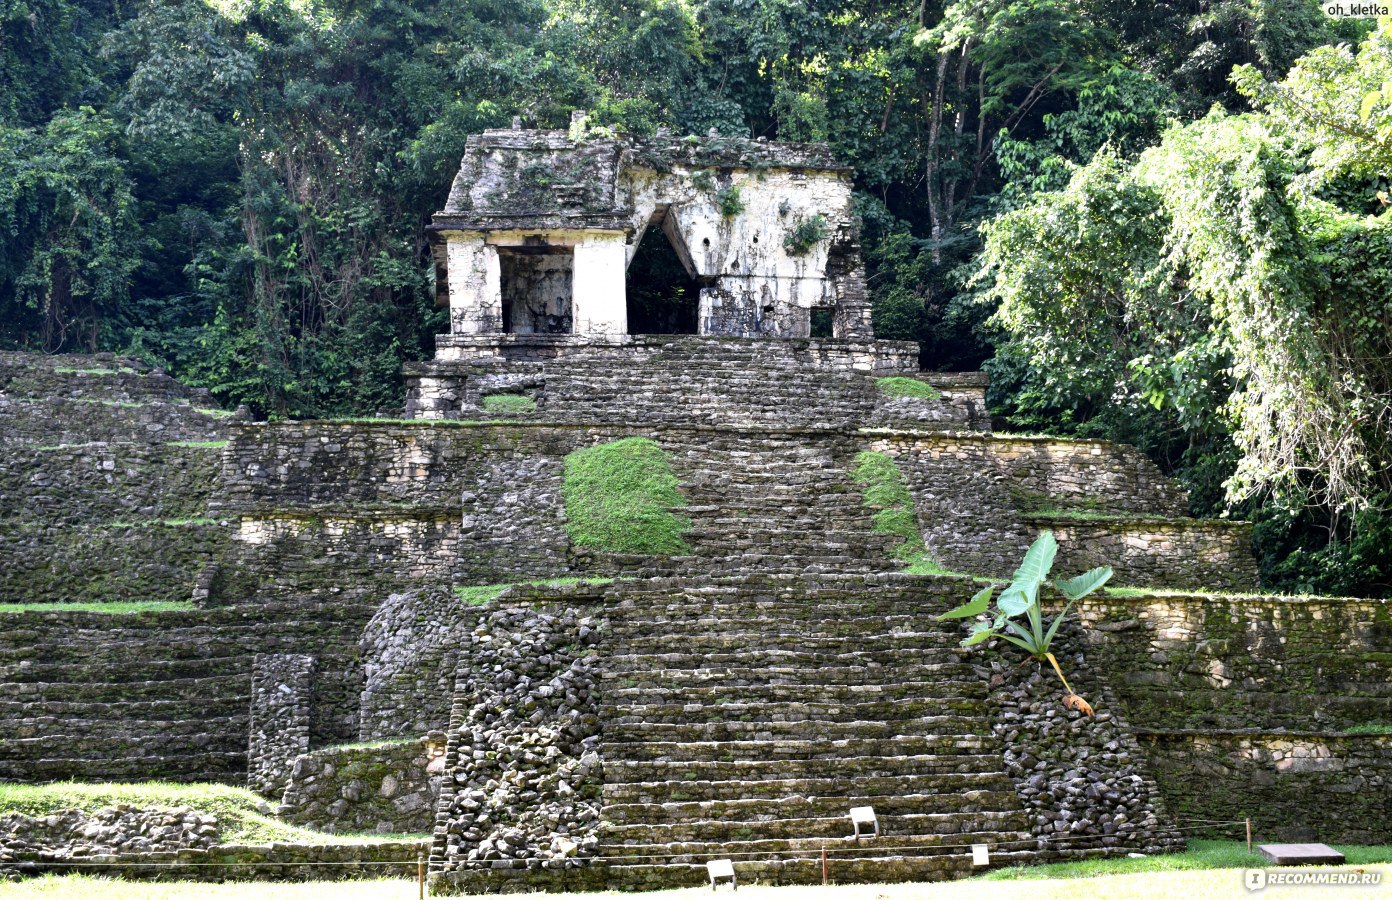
(780, 505)
(747, 728)
(97, 696)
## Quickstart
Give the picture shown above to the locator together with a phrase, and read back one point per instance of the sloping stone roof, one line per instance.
(543, 179)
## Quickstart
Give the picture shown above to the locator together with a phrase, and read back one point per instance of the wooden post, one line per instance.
(1249, 834)
(420, 875)
(824, 864)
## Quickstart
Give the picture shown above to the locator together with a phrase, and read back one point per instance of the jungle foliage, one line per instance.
(237, 191)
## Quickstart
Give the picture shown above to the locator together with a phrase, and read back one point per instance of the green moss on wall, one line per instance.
(509, 403)
(900, 386)
(619, 498)
(886, 493)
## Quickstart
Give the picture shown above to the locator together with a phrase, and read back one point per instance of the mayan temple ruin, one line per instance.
(603, 605)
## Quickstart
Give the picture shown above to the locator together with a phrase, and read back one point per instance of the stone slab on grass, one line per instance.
(1301, 854)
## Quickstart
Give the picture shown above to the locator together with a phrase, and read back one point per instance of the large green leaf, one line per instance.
(1034, 568)
(1080, 586)
(1013, 601)
(973, 607)
(978, 636)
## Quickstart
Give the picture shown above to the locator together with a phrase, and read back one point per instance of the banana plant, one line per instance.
(1020, 600)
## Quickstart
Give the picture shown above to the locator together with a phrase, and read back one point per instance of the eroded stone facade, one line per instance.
(541, 226)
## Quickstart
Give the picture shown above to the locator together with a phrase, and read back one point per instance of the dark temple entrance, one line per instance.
(663, 298)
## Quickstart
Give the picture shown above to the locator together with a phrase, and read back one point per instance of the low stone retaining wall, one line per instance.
(1210, 554)
(390, 788)
(102, 563)
(1295, 786)
(1244, 662)
(248, 862)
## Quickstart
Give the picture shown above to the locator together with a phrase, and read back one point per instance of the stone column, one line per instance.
(475, 284)
(599, 302)
(279, 726)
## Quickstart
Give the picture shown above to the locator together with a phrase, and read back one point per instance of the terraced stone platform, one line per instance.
(743, 718)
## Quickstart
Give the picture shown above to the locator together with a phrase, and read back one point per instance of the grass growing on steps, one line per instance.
(900, 386)
(115, 608)
(619, 498)
(481, 594)
(1369, 728)
(509, 403)
(243, 817)
(884, 491)
(371, 745)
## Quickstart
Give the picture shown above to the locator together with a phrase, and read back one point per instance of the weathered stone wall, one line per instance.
(1212, 554)
(72, 834)
(102, 482)
(668, 379)
(1195, 661)
(282, 694)
(161, 694)
(1294, 786)
(523, 775)
(959, 406)
(410, 652)
(1084, 779)
(106, 469)
(279, 861)
(982, 499)
(42, 563)
(1242, 704)
(389, 788)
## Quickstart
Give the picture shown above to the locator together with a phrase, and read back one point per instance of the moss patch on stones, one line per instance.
(242, 816)
(619, 498)
(118, 607)
(509, 403)
(900, 386)
(884, 492)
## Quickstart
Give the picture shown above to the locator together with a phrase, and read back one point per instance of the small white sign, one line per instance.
(863, 815)
(720, 868)
(981, 855)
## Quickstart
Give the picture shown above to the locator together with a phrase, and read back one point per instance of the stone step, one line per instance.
(793, 693)
(229, 703)
(677, 752)
(674, 791)
(761, 809)
(844, 849)
(121, 693)
(135, 669)
(789, 640)
(812, 625)
(775, 675)
(887, 710)
(214, 735)
(698, 658)
(829, 827)
(620, 771)
(625, 732)
(215, 766)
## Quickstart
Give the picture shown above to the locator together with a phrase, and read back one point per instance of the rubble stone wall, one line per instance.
(386, 787)
(1297, 787)
(282, 693)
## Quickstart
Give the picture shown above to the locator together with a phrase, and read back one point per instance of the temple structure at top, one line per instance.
(541, 228)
